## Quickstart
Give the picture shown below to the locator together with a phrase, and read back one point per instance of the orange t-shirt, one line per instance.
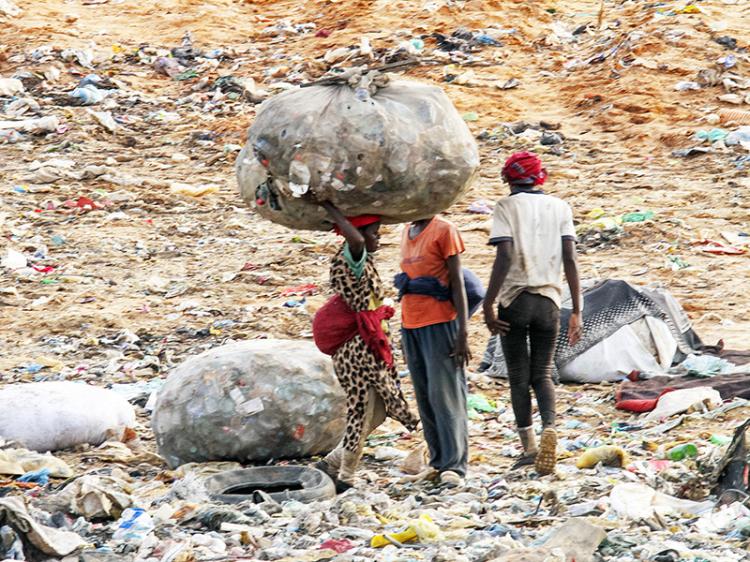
(425, 256)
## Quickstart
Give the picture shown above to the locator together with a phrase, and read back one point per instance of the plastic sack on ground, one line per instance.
(638, 501)
(682, 400)
(250, 401)
(48, 416)
(397, 149)
(635, 347)
(728, 518)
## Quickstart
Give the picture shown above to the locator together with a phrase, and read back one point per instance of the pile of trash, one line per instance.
(127, 251)
(649, 488)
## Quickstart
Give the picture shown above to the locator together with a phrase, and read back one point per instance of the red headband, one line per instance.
(524, 168)
(359, 222)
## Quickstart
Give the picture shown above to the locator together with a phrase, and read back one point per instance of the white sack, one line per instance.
(48, 416)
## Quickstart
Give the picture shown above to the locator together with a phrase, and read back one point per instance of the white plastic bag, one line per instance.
(682, 400)
(638, 501)
(48, 416)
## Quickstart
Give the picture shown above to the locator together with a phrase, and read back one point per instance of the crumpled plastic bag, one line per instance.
(724, 520)
(20, 461)
(682, 400)
(638, 501)
(608, 455)
(401, 151)
(99, 497)
(47, 540)
(422, 529)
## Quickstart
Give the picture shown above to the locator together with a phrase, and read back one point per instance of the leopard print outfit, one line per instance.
(356, 366)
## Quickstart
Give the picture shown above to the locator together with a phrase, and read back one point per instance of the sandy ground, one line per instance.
(620, 118)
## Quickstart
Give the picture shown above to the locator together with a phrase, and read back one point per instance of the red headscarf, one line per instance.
(359, 222)
(524, 168)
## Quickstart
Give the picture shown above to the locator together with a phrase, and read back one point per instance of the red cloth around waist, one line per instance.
(336, 323)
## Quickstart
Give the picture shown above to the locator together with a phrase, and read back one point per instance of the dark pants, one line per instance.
(529, 350)
(440, 389)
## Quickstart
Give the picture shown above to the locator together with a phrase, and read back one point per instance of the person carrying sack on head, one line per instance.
(351, 327)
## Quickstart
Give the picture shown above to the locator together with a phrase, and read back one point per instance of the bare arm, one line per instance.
(570, 264)
(461, 352)
(499, 272)
(352, 235)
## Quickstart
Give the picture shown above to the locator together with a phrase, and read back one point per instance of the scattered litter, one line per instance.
(127, 256)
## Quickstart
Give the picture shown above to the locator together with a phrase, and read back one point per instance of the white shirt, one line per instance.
(536, 223)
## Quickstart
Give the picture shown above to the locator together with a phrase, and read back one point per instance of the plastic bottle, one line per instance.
(134, 525)
(713, 135)
(681, 452)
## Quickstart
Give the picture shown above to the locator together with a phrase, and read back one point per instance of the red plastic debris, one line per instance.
(43, 268)
(300, 290)
(299, 432)
(659, 465)
(83, 203)
(337, 545)
(718, 248)
(323, 33)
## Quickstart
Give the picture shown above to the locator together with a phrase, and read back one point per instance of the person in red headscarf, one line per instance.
(352, 327)
(535, 240)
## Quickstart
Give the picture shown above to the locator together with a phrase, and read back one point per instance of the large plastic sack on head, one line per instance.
(250, 401)
(48, 416)
(401, 151)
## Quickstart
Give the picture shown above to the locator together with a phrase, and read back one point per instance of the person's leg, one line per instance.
(342, 366)
(447, 397)
(374, 412)
(353, 439)
(351, 452)
(415, 360)
(543, 331)
(331, 463)
(516, 351)
(387, 386)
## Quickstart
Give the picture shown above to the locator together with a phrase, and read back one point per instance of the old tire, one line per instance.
(282, 483)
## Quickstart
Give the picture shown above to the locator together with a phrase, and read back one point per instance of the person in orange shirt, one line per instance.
(435, 340)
